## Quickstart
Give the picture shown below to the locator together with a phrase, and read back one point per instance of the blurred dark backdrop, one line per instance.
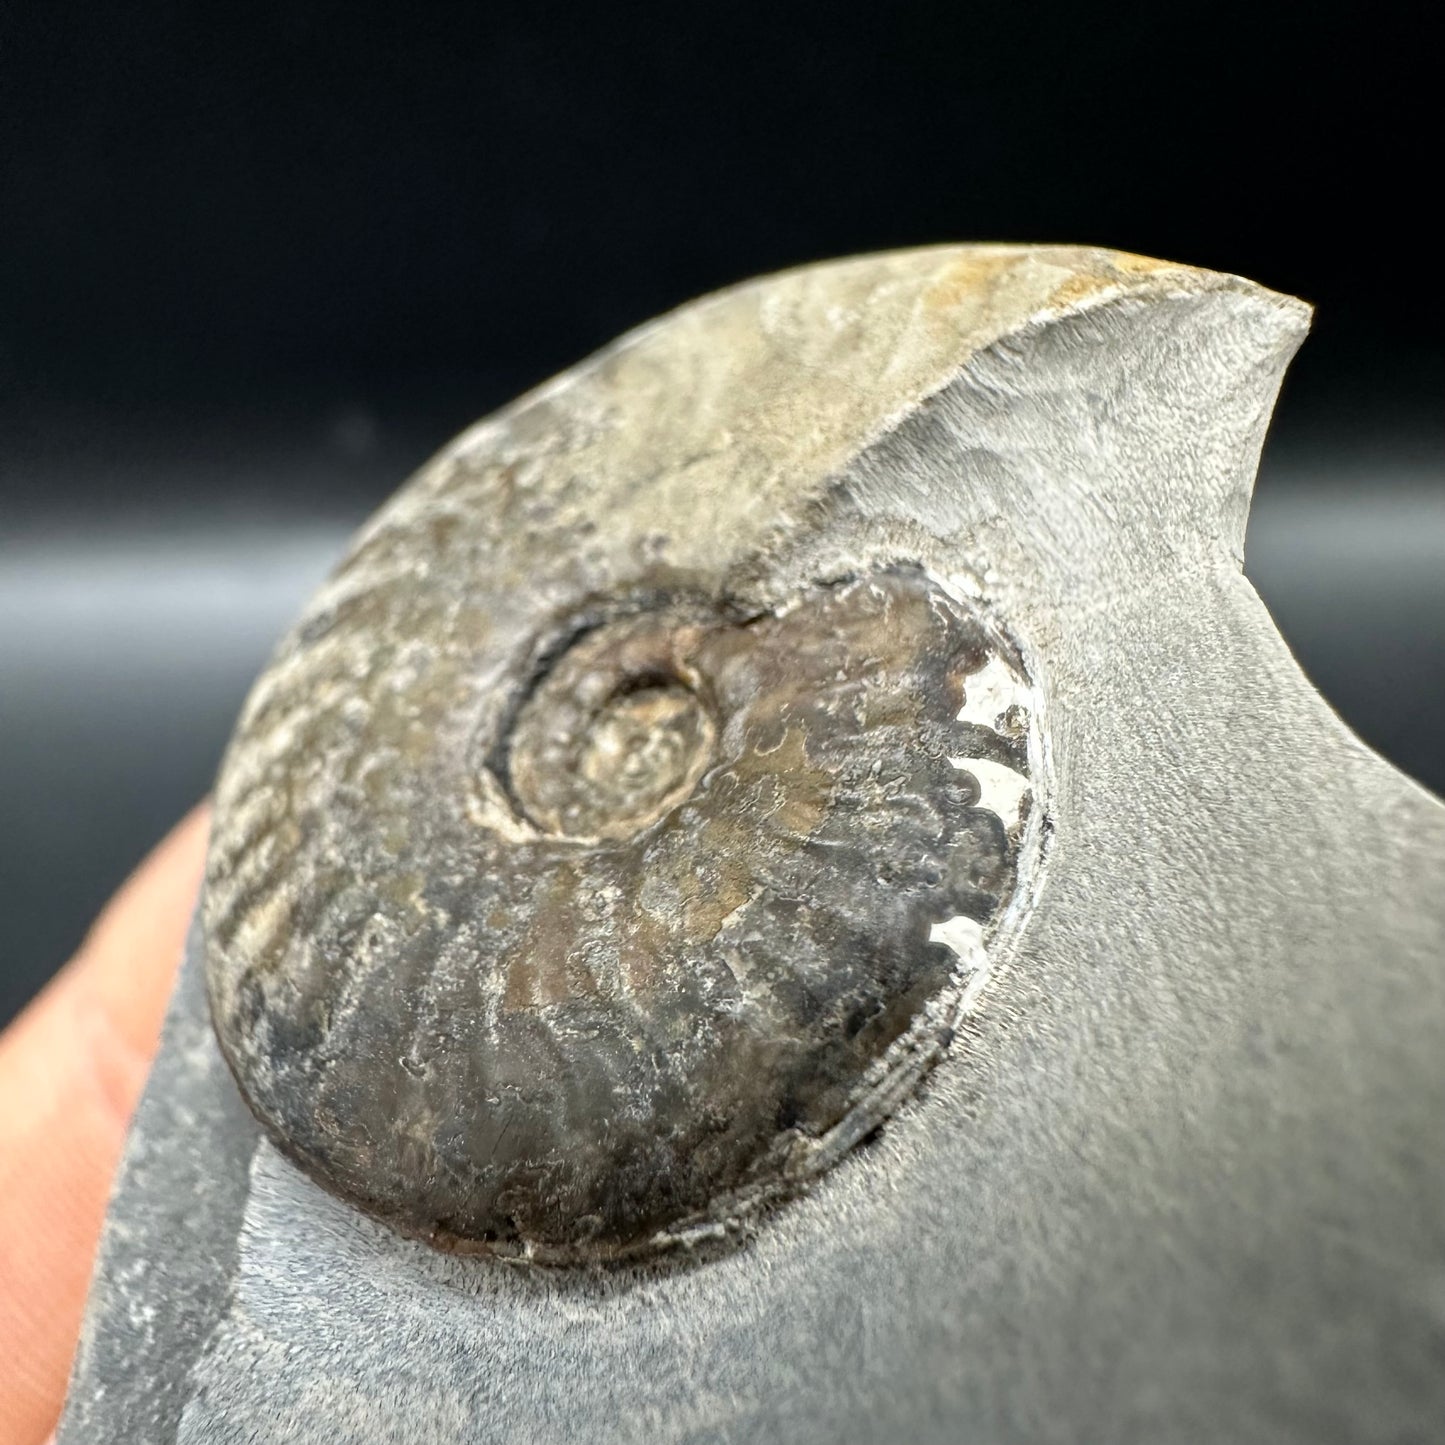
(257, 260)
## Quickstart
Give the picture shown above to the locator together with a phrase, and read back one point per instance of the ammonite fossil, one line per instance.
(582, 882)
(630, 819)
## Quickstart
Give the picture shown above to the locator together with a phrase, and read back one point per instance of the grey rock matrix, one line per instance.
(1093, 1093)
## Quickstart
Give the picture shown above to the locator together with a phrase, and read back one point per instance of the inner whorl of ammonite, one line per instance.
(615, 734)
(574, 946)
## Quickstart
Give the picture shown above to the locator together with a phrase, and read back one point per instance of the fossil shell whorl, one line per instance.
(631, 950)
(576, 883)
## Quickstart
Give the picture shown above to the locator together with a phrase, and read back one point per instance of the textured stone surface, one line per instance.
(1178, 1179)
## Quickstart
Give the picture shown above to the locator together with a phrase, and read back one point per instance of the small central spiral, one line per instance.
(641, 750)
(614, 736)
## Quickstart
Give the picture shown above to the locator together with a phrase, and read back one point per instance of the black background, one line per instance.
(256, 261)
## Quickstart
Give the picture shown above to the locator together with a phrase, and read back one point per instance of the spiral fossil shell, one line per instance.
(573, 891)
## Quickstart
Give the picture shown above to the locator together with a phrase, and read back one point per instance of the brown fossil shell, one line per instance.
(567, 901)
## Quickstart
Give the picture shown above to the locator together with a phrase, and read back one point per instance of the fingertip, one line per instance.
(128, 959)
